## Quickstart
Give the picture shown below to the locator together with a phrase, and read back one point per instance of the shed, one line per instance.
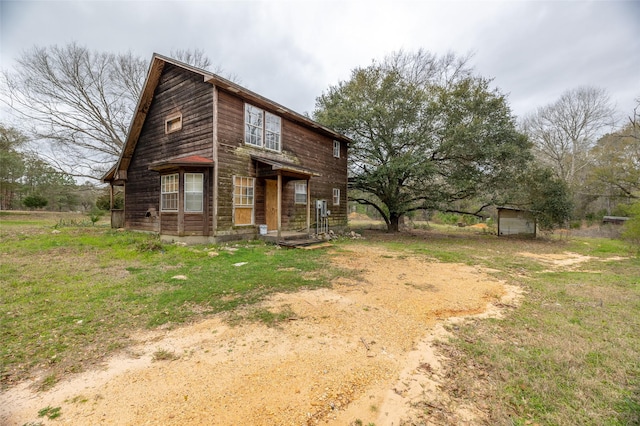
(514, 221)
(614, 220)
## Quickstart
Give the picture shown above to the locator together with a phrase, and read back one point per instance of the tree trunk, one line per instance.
(394, 221)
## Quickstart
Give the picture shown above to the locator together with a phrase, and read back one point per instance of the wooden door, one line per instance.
(271, 204)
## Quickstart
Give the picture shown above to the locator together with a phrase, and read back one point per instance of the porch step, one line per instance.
(307, 244)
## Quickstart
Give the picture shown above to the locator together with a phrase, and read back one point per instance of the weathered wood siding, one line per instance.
(179, 91)
(300, 145)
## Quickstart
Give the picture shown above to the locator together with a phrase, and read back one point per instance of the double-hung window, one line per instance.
(336, 196)
(300, 194)
(336, 149)
(243, 200)
(169, 192)
(193, 192)
(262, 129)
(272, 131)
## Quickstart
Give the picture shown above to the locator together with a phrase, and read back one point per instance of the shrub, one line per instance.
(35, 201)
(631, 229)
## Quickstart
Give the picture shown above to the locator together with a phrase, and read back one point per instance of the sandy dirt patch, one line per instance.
(360, 350)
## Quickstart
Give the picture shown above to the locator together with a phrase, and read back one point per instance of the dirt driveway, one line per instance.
(358, 351)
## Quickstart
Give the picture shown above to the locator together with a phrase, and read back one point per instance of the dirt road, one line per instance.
(358, 351)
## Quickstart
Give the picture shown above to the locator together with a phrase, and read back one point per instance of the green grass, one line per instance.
(68, 299)
(569, 354)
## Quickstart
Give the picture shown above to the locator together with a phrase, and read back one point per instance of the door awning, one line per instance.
(275, 167)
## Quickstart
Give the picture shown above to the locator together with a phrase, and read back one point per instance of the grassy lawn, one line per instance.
(570, 354)
(71, 293)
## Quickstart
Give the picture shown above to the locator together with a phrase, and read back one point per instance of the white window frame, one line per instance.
(262, 129)
(169, 189)
(336, 196)
(300, 192)
(173, 123)
(246, 196)
(336, 149)
(253, 125)
(193, 189)
(272, 131)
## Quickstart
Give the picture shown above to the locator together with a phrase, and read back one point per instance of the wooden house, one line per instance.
(514, 221)
(206, 160)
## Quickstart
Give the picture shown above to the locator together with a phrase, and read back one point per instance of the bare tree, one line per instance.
(195, 57)
(565, 131)
(76, 105)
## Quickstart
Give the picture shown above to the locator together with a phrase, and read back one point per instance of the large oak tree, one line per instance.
(427, 133)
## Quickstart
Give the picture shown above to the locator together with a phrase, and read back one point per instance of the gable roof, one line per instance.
(156, 67)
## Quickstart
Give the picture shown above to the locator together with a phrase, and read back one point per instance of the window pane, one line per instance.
(300, 193)
(336, 197)
(193, 202)
(253, 125)
(169, 192)
(272, 131)
(336, 149)
(193, 192)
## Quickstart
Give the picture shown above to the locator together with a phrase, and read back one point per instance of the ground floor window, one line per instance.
(300, 192)
(336, 196)
(169, 192)
(193, 192)
(243, 200)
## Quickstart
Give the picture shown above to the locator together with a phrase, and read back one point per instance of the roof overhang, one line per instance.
(193, 161)
(276, 167)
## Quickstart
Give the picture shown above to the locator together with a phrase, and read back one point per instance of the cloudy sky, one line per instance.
(291, 51)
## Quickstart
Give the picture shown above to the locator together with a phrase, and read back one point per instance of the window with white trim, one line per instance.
(336, 149)
(272, 130)
(300, 194)
(252, 125)
(336, 196)
(193, 192)
(262, 129)
(243, 200)
(169, 192)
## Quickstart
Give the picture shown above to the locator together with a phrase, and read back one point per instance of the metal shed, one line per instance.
(514, 221)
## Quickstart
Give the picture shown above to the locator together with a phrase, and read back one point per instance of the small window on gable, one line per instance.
(173, 123)
(300, 194)
(336, 149)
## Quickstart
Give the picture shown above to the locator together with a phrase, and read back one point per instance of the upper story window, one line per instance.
(336, 149)
(173, 123)
(261, 128)
(272, 131)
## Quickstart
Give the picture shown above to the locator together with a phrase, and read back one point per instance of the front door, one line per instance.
(271, 204)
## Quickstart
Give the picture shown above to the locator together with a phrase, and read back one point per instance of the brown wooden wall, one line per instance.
(182, 91)
(300, 145)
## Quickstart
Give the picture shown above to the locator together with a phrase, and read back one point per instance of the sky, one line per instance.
(291, 51)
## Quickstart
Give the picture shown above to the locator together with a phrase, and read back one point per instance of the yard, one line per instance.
(105, 327)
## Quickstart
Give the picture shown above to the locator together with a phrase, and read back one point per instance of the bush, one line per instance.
(103, 202)
(631, 228)
(35, 201)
